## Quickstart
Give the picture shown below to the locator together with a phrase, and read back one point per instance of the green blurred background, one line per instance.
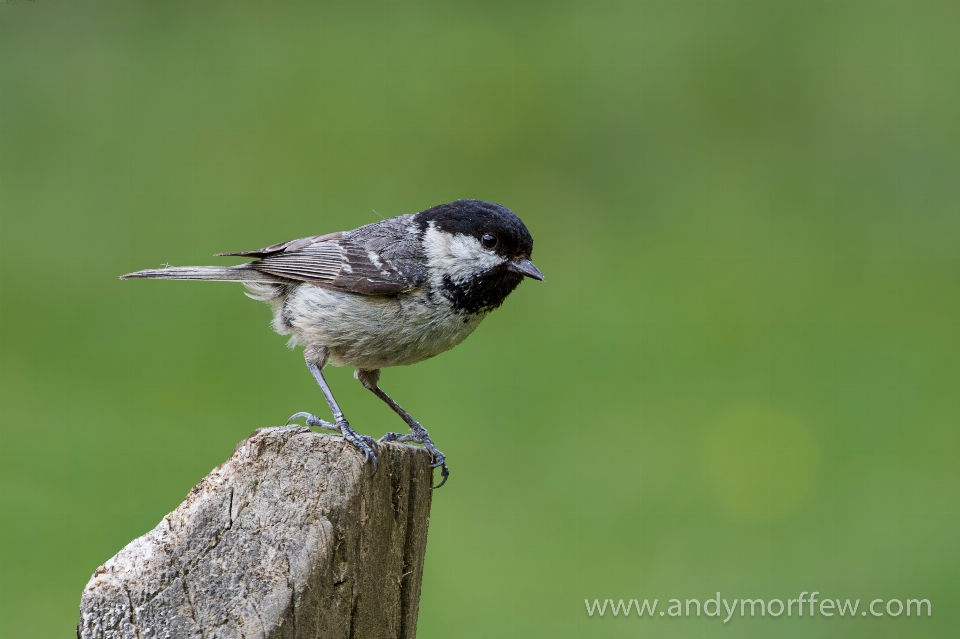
(741, 374)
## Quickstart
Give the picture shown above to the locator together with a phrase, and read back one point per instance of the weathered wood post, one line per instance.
(293, 536)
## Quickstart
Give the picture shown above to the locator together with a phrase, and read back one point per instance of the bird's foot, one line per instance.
(439, 459)
(313, 420)
(364, 443)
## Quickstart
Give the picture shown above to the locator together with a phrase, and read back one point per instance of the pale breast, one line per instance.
(372, 331)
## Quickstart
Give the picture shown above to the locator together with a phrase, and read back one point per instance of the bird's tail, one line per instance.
(240, 273)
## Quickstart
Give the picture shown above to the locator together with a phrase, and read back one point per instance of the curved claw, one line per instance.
(444, 475)
(371, 456)
(368, 454)
(438, 459)
(300, 415)
(364, 442)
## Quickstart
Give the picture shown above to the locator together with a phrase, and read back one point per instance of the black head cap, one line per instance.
(477, 218)
(497, 229)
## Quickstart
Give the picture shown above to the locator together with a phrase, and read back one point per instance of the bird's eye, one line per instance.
(488, 241)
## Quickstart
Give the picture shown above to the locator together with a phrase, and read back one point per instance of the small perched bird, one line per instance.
(392, 293)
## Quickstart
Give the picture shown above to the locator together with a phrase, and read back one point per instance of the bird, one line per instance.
(391, 293)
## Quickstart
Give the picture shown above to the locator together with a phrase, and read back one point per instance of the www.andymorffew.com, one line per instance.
(806, 605)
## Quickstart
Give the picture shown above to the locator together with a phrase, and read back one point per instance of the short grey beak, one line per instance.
(526, 267)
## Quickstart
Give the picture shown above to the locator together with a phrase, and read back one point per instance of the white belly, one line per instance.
(370, 331)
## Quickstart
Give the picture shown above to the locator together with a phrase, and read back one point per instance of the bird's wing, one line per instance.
(378, 259)
(280, 247)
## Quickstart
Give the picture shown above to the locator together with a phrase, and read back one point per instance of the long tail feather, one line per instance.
(240, 273)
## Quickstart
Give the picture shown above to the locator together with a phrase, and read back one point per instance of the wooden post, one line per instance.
(293, 536)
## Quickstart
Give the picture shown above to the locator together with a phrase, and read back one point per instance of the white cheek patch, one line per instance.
(458, 257)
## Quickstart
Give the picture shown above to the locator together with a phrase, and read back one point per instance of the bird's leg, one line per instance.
(419, 434)
(316, 357)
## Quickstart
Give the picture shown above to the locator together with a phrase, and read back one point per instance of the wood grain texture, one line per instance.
(292, 537)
